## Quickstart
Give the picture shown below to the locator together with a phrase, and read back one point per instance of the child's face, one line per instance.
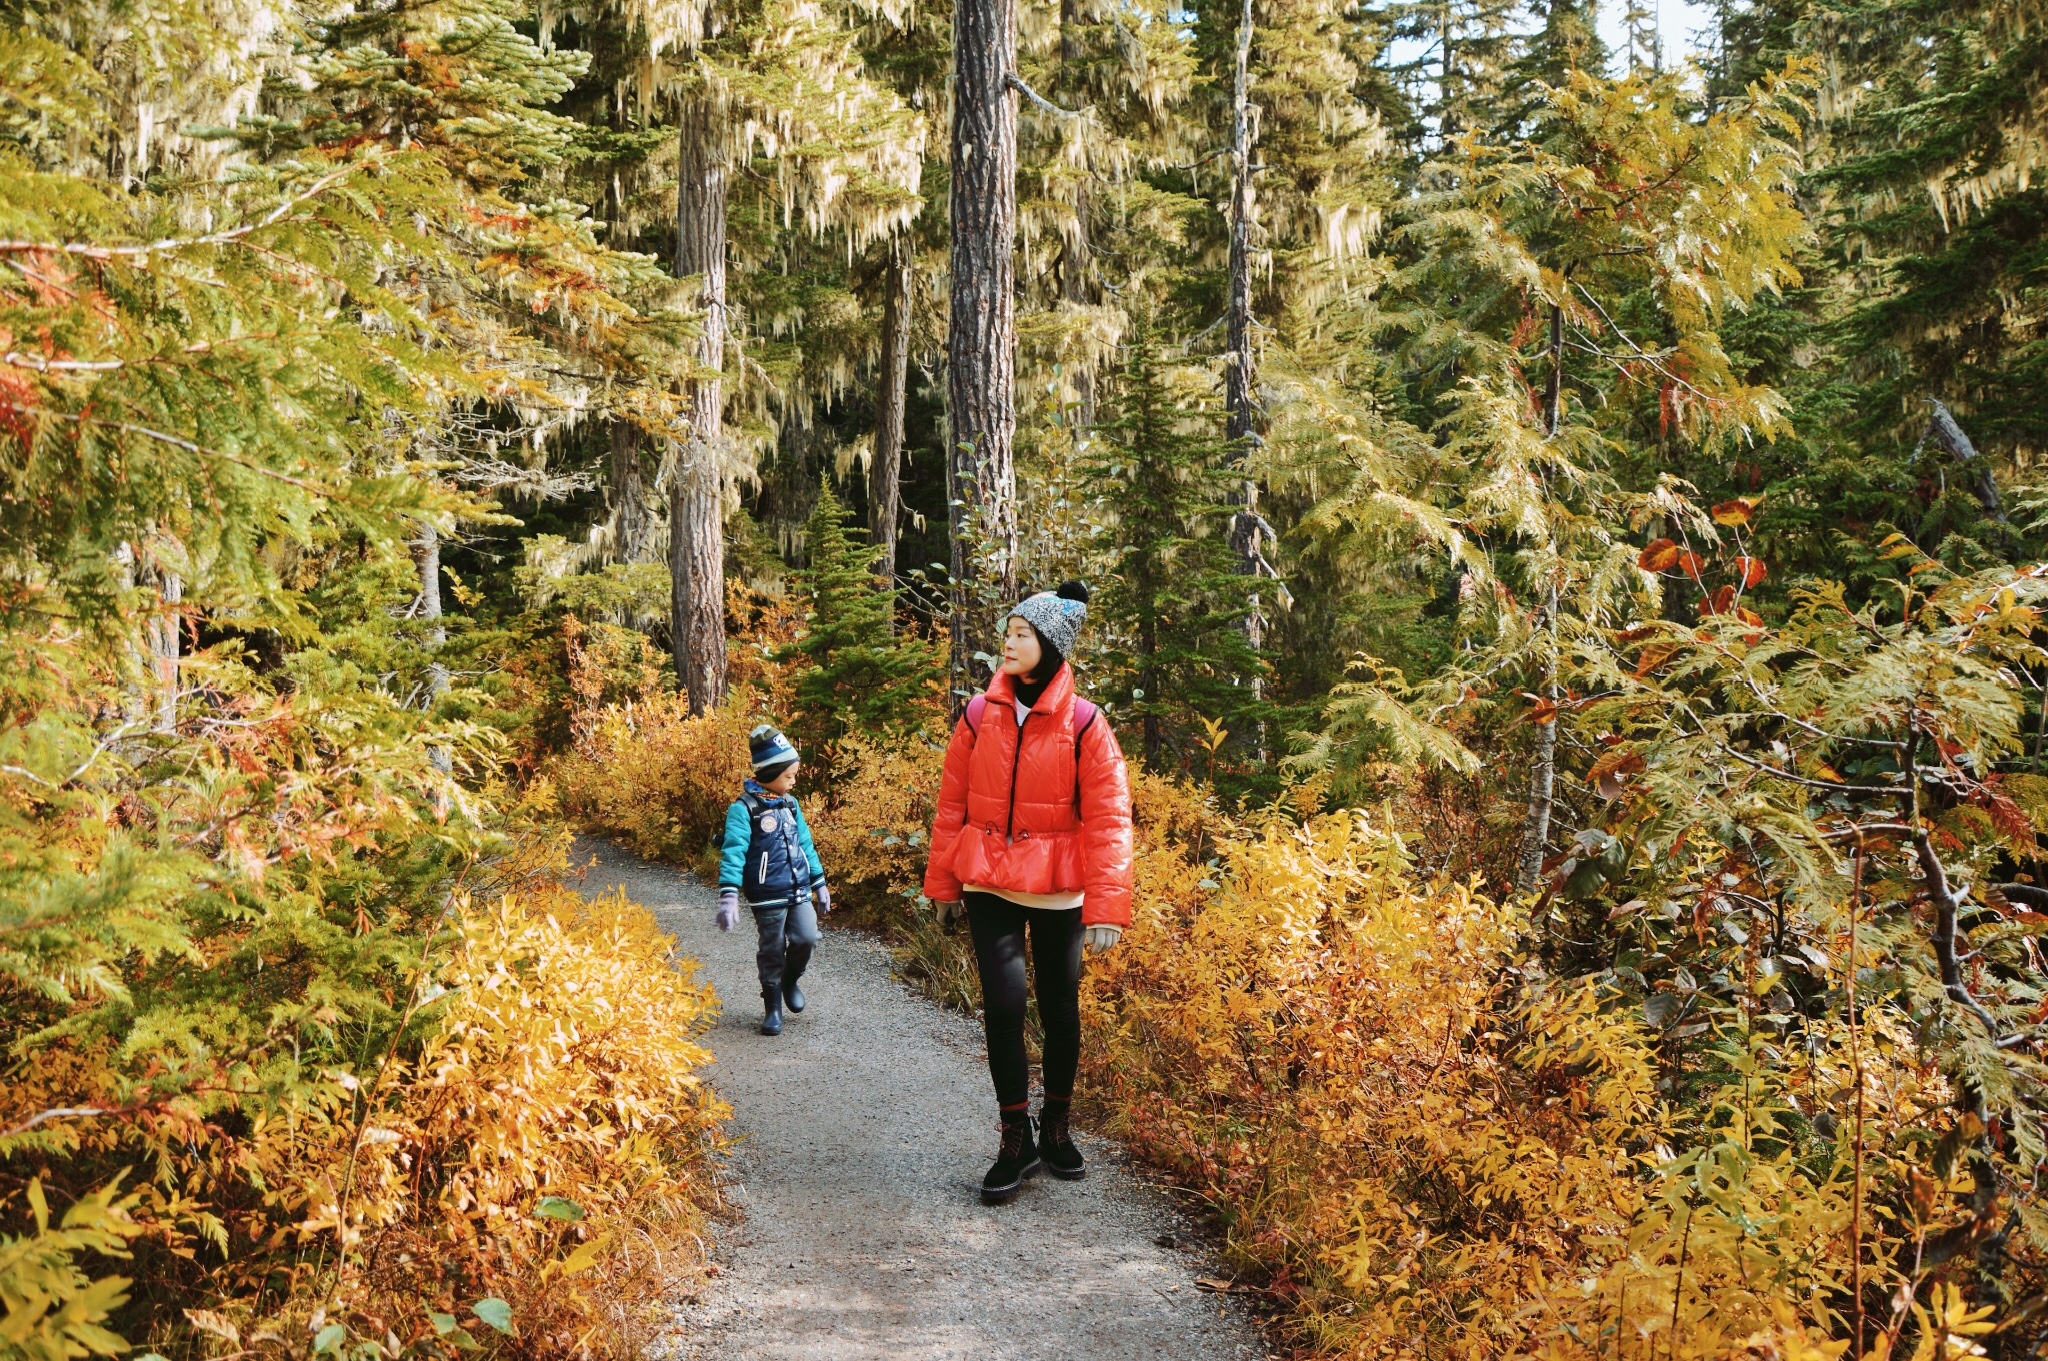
(786, 781)
(1021, 652)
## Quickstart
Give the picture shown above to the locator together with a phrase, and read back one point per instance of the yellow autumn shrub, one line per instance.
(1422, 1146)
(655, 777)
(524, 1168)
(550, 1135)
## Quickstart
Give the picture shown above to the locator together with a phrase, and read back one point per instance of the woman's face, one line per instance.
(1021, 652)
(786, 781)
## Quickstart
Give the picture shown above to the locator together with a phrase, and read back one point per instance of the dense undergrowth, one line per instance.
(1430, 1124)
(305, 1047)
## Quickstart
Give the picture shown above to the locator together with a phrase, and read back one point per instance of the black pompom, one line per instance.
(1073, 590)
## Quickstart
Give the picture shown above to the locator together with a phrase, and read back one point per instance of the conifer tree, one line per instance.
(1175, 601)
(1935, 168)
(1556, 289)
(862, 677)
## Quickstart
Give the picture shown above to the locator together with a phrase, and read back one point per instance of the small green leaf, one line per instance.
(330, 1337)
(560, 1207)
(444, 1324)
(495, 1312)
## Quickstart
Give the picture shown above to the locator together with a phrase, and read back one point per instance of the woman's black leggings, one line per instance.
(999, 926)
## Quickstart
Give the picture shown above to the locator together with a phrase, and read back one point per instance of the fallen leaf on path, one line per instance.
(1223, 1287)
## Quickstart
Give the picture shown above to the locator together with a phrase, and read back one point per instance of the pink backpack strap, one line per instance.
(976, 707)
(1084, 718)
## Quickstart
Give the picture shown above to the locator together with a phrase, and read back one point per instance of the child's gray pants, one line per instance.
(787, 935)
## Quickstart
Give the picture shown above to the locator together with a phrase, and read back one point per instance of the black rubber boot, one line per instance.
(771, 999)
(1017, 1160)
(1056, 1143)
(793, 966)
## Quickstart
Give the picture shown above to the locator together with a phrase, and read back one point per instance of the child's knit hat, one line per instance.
(1056, 615)
(770, 747)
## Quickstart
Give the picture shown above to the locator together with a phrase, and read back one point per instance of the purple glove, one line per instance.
(824, 897)
(728, 908)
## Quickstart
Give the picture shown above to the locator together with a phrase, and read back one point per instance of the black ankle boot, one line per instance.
(1056, 1143)
(792, 969)
(771, 1000)
(1017, 1160)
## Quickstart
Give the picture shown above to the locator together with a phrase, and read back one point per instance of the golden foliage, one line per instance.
(1428, 1148)
(548, 1135)
(655, 777)
(536, 1139)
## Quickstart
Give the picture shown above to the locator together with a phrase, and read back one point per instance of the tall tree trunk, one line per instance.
(1148, 671)
(1074, 250)
(885, 468)
(163, 631)
(627, 488)
(697, 492)
(1246, 526)
(1237, 371)
(1543, 771)
(981, 479)
(427, 553)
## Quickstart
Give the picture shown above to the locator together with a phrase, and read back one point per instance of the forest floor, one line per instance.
(862, 1133)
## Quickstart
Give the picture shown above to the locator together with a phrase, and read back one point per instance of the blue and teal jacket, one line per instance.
(767, 853)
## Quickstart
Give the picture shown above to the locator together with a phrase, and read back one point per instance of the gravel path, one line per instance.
(865, 1128)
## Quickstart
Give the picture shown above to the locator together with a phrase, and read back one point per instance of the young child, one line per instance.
(768, 859)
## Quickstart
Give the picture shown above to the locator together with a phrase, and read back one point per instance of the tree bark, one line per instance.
(1237, 372)
(1542, 797)
(981, 479)
(885, 467)
(1074, 250)
(627, 488)
(697, 492)
(427, 553)
(1543, 773)
(164, 631)
(1247, 526)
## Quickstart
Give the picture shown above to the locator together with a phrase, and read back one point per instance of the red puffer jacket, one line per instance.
(1008, 812)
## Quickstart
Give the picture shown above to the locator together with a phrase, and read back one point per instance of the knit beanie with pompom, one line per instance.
(771, 751)
(1056, 616)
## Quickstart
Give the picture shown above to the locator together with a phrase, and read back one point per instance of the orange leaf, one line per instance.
(1690, 564)
(1723, 598)
(1654, 656)
(1736, 512)
(1750, 617)
(1545, 711)
(1752, 570)
(1660, 556)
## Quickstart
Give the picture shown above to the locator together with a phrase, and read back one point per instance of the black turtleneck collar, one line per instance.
(1027, 692)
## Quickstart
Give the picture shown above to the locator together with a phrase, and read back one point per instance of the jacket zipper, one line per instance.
(1010, 825)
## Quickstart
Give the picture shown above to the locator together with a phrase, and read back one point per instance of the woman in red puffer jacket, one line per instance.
(1033, 837)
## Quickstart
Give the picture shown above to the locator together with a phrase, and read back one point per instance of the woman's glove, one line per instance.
(1096, 939)
(951, 915)
(823, 896)
(728, 908)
